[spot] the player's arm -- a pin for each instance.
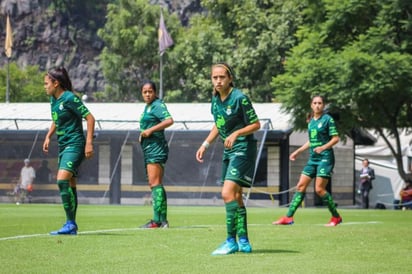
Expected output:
(333, 141)
(213, 134)
(295, 154)
(90, 121)
(49, 134)
(247, 130)
(160, 126)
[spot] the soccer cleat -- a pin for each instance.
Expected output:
(69, 228)
(284, 221)
(244, 246)
(228, 247)
(334, 221)
(151, 224)
(164, 224)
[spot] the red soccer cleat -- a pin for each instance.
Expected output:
(334, 221)
(284, 221)
(153, 224)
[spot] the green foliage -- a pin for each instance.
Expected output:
(26, 85)
(252, 36)
(193, 56)
(131, 53)
(358, 54)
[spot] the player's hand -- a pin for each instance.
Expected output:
(230, 140)
(294, 155)
(200, 153)
(46, 145)
(88, 151)
(145, 133)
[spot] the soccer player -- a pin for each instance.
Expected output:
(68, 112)
(322, 137)
(153, 122)
(235, 122)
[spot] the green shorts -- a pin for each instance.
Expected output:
(155, 152)
(70, 159)
(320, 168)
(240, 168)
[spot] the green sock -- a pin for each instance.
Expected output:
(327, 198)
(76, 202)
(231, 210)
(296, 201)
(67, 196)
(241, 225)
(159, 204)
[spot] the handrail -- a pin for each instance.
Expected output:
(99, 122)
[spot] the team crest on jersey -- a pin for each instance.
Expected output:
(319, 125)
(149, 109)
(228, 110)
(61, 107)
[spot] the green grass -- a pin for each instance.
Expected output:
(369, 241)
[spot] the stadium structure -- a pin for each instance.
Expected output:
(116, 175)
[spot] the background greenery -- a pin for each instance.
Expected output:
(356, 53)
(368, 241)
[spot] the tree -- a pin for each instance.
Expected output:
(195, 50)
(358, 54)
(252, 36)
(131, 51)
(26, 85)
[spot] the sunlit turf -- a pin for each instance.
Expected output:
(109, 241)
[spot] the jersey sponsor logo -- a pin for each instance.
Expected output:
(313, 133)
(245, 102)
(55, 116)
(220, 121)
(82, 108)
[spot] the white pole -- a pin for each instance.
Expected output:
(8, 81)
(161, 77)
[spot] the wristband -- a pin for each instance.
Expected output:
(206, 144)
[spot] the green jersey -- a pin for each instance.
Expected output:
(67, 113)
(321, 132)
(153, 114)
(234, 113)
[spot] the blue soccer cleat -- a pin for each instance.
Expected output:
(244, 245)
(69, 228)
(228, 247)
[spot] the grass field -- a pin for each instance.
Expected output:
(368, 241)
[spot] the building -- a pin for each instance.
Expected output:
(116, 174)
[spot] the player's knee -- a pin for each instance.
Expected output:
(320, 191)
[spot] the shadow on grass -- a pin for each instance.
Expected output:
(268, 251)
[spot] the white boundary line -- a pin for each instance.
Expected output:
(17, 237)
